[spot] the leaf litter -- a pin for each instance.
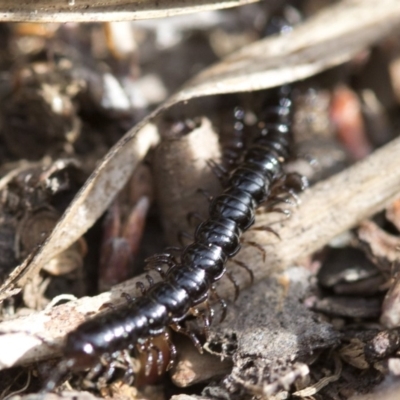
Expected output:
(317, 351)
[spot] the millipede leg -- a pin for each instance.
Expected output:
(158, 268)
(55, 377)
(205, 317)
(87, 384)
(257, 246)
(108, 373)
(172, 351)
(289, 185)
(141, 287)
(182, 235)
(129, 299)
(205, 193)
(206, 324)
(173, 249)
(247, 268)
(221, 301)
(129, 374)
(194, 215)
(266, 228)
(164, 258)
(108, 305)
(149, 361)
(235, 284)
(291, 193)
(150, 280)
(178, 328)
(287, 213)
(160, 358)
(94, 371)
(286, 197)
(297, 182)
(219, 171)
(157, 265)
(210, 311)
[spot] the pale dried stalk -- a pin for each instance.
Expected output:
(180, 169)
(109, 10)
(327, 209)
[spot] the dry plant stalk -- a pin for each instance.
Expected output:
(109, 10)
(180, 169)
(327, 209)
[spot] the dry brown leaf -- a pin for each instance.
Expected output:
(319, 43)
(108, 10)
(329, 38)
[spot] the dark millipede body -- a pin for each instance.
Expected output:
(190, 281)
(232, 148)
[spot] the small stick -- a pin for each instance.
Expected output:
(180, 170)
(327, 209)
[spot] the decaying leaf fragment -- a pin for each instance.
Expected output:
(32, 198)
(384, 249)
(85, 210)
(382, 246)
(269, 333)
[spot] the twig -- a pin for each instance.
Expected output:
(313, 389)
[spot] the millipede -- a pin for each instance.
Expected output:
(191, 280)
